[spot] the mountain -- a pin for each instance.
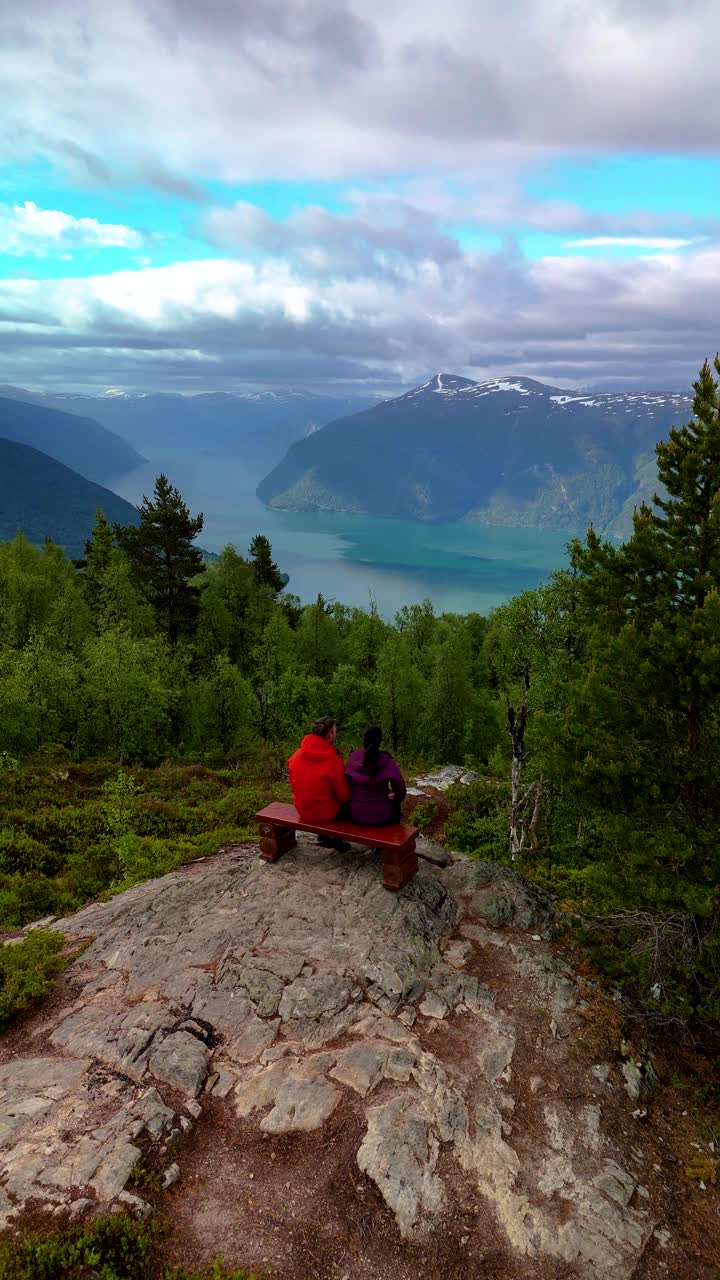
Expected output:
(45, 499)
(79, 442)
(511, 451)
(257, 427)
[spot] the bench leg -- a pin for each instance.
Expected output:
(399, 866)
(275, 841)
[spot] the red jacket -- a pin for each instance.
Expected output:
(317, 778)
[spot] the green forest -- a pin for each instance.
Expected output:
(149, 700)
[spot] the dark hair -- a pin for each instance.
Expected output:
(323, 726)
(372, 738)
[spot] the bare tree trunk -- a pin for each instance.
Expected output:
(517, 724)
(532, 829)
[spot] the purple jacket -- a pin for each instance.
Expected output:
(370, 799)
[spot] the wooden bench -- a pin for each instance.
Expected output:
(279, 822)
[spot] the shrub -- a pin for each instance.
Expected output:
(28, 897)
(20, 853)
(26, 971)
(424, 814)
(144, 857)
(154, 817)
(64, 830)
(478, 821)
(113, 1248)
(240, 805)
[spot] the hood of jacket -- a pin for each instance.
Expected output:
(313, 747)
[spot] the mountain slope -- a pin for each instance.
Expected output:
(256, 427)
(509, 451)
(79, 442)
(45, 499)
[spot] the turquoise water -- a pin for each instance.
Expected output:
(460, 566)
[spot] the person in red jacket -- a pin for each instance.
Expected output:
(317, 777)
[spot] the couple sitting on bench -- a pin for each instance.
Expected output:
(368, 790)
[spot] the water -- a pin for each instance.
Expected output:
(461, 567)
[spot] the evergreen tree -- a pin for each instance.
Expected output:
(450, 701)
(640, 744)
(163, 559)
(365, 637)
(401, 689)
(266, 571)
(98, 555)
(318, 637)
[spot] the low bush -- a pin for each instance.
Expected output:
(29, 897)
(424, 814)
(101, 829)
(27, 970)
(21, 853)
(113, 1248)
(478, 820)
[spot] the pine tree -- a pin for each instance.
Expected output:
(98, 555)
(266, 571)
(318, 637)
(450, 700)
(640, 742)
(163, 559)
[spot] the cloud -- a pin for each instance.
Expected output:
(662, 243)
(377, 237)
(348, 88)
(26, 229)
(647, 321)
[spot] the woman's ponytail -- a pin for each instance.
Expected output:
(372, 738)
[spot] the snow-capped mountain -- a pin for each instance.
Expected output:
(510, 451)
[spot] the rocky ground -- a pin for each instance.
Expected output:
(304, 1072)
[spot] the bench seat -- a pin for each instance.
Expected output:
(279, 822)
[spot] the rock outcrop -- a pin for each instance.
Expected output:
(292, 993)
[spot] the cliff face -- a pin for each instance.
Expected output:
(335, 1080)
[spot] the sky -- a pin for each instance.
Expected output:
(350, 196)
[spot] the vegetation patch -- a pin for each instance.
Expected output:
(112, 1248)
(27, 971)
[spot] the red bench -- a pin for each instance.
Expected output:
(279, 822)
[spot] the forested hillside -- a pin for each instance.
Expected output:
(77, 442)
(590, 708)
(511, 451)
(44, 499)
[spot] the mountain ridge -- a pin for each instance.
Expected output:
(506, 451)
(43, 498)
(254, 426)
(77, 441)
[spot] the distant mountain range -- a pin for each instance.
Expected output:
(255, 427)
(79, 442)
(45, 499)
(510, 451)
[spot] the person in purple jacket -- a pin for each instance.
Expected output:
(377, 787)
